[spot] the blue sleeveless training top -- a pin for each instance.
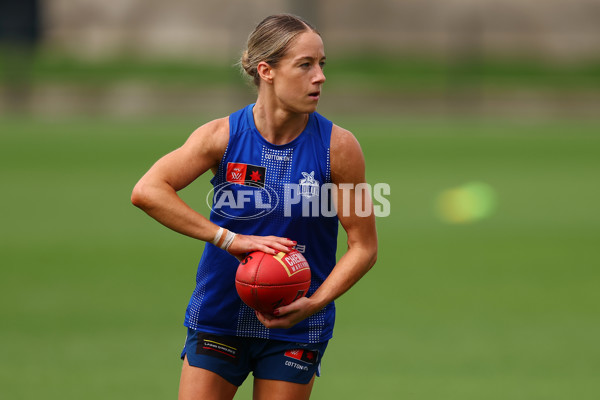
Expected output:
(265, 189)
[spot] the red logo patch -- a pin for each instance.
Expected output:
(307, 356)
(246, 174)
(236, 172)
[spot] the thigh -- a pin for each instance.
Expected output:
(201, 384)
(266, 389)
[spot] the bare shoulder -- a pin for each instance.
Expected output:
(347, 160)
(203, 150)
(210, 140)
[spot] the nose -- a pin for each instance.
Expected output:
(319, 75)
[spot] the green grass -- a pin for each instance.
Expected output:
(93, 292)
(376, 71)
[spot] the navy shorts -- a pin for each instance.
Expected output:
(234, 357)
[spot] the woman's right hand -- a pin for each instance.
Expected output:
(244, 244)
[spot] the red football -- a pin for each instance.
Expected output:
(265, 282)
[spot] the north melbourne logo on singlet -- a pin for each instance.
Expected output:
(309, 186)
(246, 174)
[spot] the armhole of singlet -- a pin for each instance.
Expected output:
(326, 139)
(219, 177)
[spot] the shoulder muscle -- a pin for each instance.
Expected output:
(347, 160)
(202, 151)
(210, 140)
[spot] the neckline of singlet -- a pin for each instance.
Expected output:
(300, 137)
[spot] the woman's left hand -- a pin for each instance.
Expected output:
(285, 317)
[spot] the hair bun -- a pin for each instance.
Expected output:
(245, 62)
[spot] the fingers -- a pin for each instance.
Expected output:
(270, 321)
(268, 244)
(286, 316)
(273, 244)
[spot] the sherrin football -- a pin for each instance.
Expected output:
(265, 282)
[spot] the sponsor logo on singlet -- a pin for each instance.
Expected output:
(246, 174)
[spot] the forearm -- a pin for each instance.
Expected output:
(357, 261)
(351, 267)
(161, 202)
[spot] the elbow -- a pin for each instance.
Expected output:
(367, 253)
(373, 257)
(139, 196)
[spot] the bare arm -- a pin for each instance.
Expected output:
(347, 168)
(156, 191)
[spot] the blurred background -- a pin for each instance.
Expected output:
(483, 117)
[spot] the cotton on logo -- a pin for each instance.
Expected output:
(242, 201)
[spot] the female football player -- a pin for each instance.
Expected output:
(278, 169)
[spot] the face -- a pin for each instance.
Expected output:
(298, 77)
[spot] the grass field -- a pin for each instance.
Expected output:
(93, 292)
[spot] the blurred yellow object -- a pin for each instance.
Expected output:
(470, 202)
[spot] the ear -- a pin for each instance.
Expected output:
(265, 71)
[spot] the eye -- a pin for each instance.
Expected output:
(305, 65)
(322, 64)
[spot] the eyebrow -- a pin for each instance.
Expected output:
(309, 58)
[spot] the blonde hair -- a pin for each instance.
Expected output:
(270, 41)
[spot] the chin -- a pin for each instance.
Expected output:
(302, 107)
(309, 108)
(312, 109)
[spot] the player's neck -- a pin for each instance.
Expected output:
(277, 125)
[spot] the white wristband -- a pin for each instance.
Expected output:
(228, 240)
(215, 241)
(223, 238)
